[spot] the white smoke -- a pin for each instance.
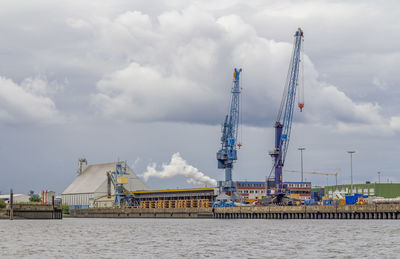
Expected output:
(178, 166)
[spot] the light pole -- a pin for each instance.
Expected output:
(301, 155)
(379, 177)
(351, 169)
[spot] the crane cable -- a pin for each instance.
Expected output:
(241, 112)
(301, 92)
(285, 90)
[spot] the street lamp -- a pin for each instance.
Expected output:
(351, 169)
(301, 154)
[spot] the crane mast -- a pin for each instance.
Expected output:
(227, 155)
(284, 119)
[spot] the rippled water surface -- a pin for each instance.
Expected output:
(199, 238)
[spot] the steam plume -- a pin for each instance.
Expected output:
(178, 166)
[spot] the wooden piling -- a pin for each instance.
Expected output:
(11, 205)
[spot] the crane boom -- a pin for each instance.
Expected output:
(337, 171)
(283, 124)
(227, 155)
(313, 172)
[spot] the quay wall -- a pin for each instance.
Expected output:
(375, 211)
(32, 211)
(4, 214)
(142, 213)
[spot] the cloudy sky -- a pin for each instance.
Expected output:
(142, 80)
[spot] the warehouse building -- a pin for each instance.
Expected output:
(386, 190)
(91, 184)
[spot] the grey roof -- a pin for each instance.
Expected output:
(90, 179)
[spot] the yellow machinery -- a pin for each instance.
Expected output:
(361, 201)
(122, 180)
(175, 204)
(175, 198)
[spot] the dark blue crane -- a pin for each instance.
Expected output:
(284, 120)
(227, 155)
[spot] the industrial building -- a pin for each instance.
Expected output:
(300, 189)
(251, 190)
(91, 184)
(47, 196)
(386, 190)
(17, 198)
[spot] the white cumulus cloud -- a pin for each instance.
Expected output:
(179, 167)
(190, 79)
(27, 102)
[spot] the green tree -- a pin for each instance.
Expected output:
(65, 209)
(35, 198)
(2, 204)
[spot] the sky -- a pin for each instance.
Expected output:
(140, 81)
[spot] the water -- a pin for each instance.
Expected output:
(199, 238)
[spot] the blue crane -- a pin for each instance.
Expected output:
(283, 122)
(118, 178)
(227, 155)
(119, 188)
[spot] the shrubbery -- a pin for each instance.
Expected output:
(35, 198)
(65, 209)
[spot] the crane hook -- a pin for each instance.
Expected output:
(301, 106)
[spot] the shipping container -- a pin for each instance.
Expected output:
(326, 202)
(350, 200)
(309, 202)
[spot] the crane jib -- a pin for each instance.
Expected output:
(291, 94)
